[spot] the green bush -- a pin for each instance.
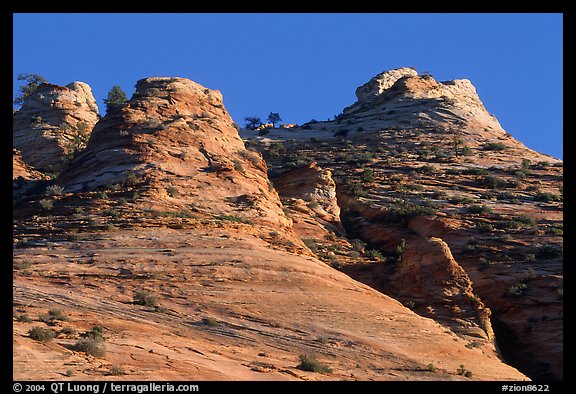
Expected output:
(550, 251)
(238, 166)
(54, 190)
(46, 204)
(234, 218)
(546, 197)
(374, 254)
(310, 363)
(475, 171)
(494, 146)
(209, 321)
(145, 298)
(311, 244)
(53, 315)
(92, 346)
(110, 212)
(493, 182)
(42, 334)
(460, 200)
(95, 333)
(485, 227)
(368, 175)
(479, 209)
(426, 169)
(518, 290)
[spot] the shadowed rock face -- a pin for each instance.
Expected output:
(45, 127)
(428, 276)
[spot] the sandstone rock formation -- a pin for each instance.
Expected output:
(437, 286)
(382, 81)
(175, 138)
(165, 202)
(314, 186)
(441, 166)
(53, 122)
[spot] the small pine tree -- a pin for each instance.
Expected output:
(32, 83)
(252, 122)
(115, 99)
(274, 117)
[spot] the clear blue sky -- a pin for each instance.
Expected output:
(306, 66)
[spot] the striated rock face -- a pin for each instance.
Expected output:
(441, 166)
(51, 120)
(309, 194)
(21, 170)
(312, 184)
(430, 278)
(175, 138)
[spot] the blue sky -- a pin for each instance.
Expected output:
(306, 66)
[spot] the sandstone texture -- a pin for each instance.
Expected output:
(202, 254)
(176, 140)
(53, 122)
(415, 159)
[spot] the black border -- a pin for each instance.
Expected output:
(169, 6)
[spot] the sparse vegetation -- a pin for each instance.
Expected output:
(52, 316)
(46, 204)
(374, 254)
(463, 371)
(403, 209)
(426, 169)
(54, 190)
(92, 346)
(479, 209)
(547, 197)
(41, 334)
(431, 367)
(110, 212)
(485, 227)
(311, 244)
(460, 200)
(239, 167)
(24, 318)
(494, 146)
(309, 362)
(172, 191)
(368, 175)
(68, 331)
(116, 370)
(96, 333)
(493, 182)
(28, 89)
(518, 290)
(234, 218)
(145, 298)
(210, 321)
(550, 251)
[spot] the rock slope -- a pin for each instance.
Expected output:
(167, 237)
(414, 158)
(53, 122)
(175, 139)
